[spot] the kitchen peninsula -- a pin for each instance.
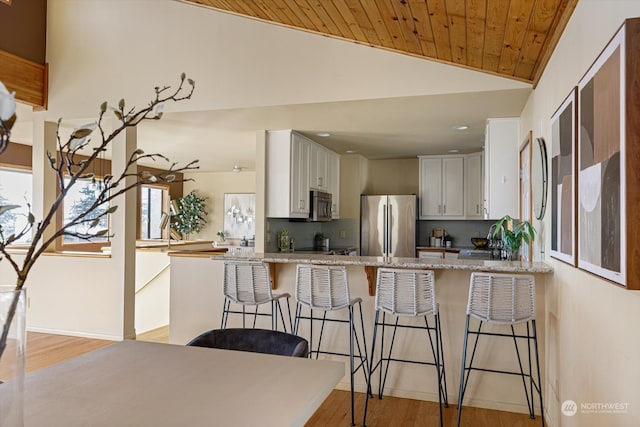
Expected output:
(370, 263)
(197, 300)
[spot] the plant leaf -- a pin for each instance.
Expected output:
(6, 208)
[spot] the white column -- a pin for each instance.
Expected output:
(44, 177)
(123, 226)
(261, 173)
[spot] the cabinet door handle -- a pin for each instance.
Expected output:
(444, 209)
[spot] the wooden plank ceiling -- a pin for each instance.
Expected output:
(511, 38)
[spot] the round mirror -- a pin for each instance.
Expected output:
(539, 172)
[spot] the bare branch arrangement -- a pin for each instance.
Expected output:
(72, 167)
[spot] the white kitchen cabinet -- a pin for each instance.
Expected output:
(441, 187)
(501, 153)
(287, 175)
(473, 186)
(318, 168)
(333, 182)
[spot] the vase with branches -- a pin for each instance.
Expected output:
(73, 163)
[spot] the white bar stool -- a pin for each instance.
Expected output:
(405, 293)
(248, 283)
(326, 289)
(503, 299)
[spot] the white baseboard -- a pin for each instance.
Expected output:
(75, 334)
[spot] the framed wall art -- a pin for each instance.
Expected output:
(525, 209)
(563, 180)
(239, 215)
(601, 167)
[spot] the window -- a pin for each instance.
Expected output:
(152, 203)
(79, 198)
(15, 189)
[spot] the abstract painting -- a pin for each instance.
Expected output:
(601, 145)
(239, 215)
(563, 180)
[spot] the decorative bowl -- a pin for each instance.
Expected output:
(479, 242)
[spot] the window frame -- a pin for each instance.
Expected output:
(166, 198)
(25, 169)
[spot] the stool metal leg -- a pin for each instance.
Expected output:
(363, 359)
(535, 344)
(522, 375)
(437, 359)
(225, 313)
(462, 369)
(351, 373)
(445, 393)
(371, 369)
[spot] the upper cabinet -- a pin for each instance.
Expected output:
(474, 186)
(333, 184)
(318, 167)
(296, 165)
(287, 175)
(501, 168)
(441, 187)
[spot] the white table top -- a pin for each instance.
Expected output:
(133, 383)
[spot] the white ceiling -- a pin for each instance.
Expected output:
(377, 129)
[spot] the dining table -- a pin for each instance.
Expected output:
(134, 383)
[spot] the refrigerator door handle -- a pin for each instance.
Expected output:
(385, 229)
(389, 228)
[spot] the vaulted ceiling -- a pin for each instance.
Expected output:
(511, 38)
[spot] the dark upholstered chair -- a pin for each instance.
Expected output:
(253, 340)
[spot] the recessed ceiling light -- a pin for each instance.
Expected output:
(461, 127)
(454, 150)
(323, 134)
(350, 151)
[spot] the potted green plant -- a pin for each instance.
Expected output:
(191, 216)
(513, 235)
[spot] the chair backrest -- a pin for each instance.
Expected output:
(247, 282)
(502, 298)
(253, 340)
(322, 287)
(405, 292)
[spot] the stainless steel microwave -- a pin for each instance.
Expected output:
(321, 204)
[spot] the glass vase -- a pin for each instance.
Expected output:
(511, 253)
(12, 357)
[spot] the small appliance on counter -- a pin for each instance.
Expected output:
(439, 238)
(320, 242)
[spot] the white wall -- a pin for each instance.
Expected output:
(213, 186)
(592, 325)
(72, 295)
(100, 49)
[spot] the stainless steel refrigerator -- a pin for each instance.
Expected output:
(388, 226)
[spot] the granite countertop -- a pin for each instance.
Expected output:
(368, 261)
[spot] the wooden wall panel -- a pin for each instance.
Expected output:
(512, 38)
(26, 78)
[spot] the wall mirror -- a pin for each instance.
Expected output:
(539, 173)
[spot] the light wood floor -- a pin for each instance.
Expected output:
(45, 350)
